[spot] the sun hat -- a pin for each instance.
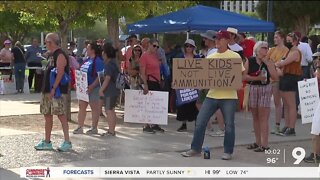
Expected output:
(232, 30)
(190, 41)
(210, 34)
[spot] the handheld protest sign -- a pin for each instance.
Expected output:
(207, 73)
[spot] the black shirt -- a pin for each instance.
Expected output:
(52, 58)
(18, 54)
(254, 67)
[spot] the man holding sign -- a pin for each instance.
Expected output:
(224, 99)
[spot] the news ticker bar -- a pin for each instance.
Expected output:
(170, 172)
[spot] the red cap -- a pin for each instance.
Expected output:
(223, 34)
(298, 34)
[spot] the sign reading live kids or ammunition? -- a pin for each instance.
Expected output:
(206, 73)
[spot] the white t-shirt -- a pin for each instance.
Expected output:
(235, 47)
(306, 53)
(211, 51)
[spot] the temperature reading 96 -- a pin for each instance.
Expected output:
(298, 153)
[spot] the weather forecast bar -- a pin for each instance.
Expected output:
(170, 172)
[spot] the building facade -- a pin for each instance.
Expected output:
(239, 6)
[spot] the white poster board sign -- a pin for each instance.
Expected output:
(8, 86)
(82, 86)
(147, 109)
(309, 98)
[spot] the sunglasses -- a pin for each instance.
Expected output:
(264, 48)
(188, 46)
(156, 46)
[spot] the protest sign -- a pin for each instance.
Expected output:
(185, 96)
(8, 85)
(206, 73)
(82, 86)
(309, 98)
(147, 109)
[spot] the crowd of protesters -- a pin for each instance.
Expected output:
(266, 72)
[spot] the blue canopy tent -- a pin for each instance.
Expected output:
(199, 18)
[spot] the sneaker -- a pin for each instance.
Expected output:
(148, 129)
(226, 156)
(276, 130)
(92, 131)
(157, 128)
(106, 134)
(288, 132)
(65, 146)
(218, 133)
(182, 128)
(311, 159)
(79, 130)
(190, 153)
(42, 145)
(282, 130)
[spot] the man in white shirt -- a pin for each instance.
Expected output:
(233, 45)
(306, 57)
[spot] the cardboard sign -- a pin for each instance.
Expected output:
(309, 98)
(82, 86)
(8, 86)
(206, 73)
(185, 96)
(151, 108)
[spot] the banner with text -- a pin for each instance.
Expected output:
(185, 96)
(206, 73)
(82, 86)
(151, 108)
(309, 98)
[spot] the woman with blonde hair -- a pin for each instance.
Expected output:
(258, 72)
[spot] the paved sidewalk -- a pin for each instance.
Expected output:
(131, 147)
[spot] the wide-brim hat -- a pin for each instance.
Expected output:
(210, 34)
(190, 41)
(232, 30)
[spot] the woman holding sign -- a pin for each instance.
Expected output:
(258, 72)
(186, 98)
(288, 85)
(92, 66)
(149, 66)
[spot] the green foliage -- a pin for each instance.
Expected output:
(210, 3)
(98, 30)
(292, 15)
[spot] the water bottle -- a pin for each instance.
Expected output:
(264, 74)
(206, 153)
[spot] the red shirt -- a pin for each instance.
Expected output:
(151, 64)
(247, 46)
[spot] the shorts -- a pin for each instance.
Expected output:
(110, 102)
(94, 95)
(260, 96)
(53, 106)
(289, 82)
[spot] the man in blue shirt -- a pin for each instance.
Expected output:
(33, 61)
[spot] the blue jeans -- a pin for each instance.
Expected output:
(208, 108)
(19, 74)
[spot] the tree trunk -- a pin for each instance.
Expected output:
(63, 28)
(113, 27)
(302, 24)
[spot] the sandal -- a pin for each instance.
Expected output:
(253, 146)
(261, 149)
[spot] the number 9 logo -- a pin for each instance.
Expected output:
(298, 153)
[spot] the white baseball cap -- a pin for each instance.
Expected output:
(190, 41)
(232, 30)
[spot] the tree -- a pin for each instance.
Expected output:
(292, 15)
